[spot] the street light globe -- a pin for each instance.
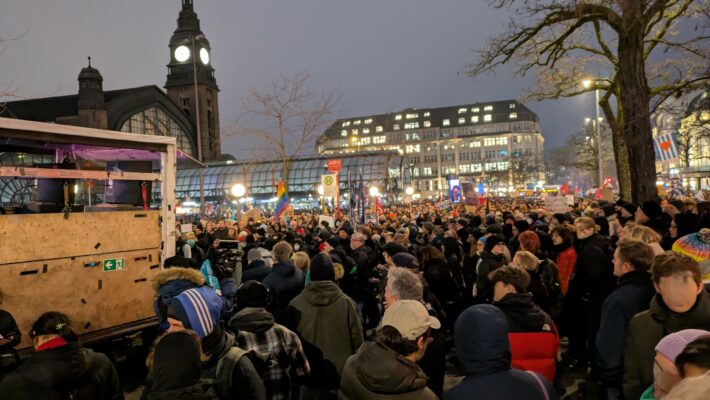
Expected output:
(374, 191)
(587, 83)
(409, 190)
(239, 190)
(321, 190)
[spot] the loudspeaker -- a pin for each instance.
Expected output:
(52, 190)
(128, 192)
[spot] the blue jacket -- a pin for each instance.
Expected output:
(285, 282)
(633, 295)
(481, 337)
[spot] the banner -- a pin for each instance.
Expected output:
(330, 185)
(666, 147)
(556, 204)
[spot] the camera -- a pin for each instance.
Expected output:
(226, 258)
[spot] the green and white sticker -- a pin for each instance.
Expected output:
(113, 264)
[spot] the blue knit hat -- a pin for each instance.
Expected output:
(198, 309)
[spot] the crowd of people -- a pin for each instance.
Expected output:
(506, 297)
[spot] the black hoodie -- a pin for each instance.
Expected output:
(57, 372)
(522, 314)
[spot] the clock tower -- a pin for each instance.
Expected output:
(191, 83)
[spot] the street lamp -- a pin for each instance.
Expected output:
(239, 190)
(374, 191)
(356, 141)
(199, 129)
(409, 190)
(587, 83)
(321, 190)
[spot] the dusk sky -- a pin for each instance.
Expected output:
(382, 55)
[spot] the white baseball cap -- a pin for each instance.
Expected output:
(410, 318)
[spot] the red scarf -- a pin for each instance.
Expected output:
(56, 342)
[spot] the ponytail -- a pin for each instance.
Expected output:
(54, 323)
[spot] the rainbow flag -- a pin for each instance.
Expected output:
(282, 203)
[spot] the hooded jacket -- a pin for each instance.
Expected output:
(57, 372)
(531, 332)
(328, 324)
(632, 295)
(647, 329)
(378, 372)
(285, 282)
(481, 338)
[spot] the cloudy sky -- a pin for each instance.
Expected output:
(382, 55)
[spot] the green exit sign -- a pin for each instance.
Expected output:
(113, 264)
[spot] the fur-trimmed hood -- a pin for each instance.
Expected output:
(175, 273)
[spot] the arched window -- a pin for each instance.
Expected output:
(155, 121)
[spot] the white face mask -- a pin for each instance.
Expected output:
(296, 247)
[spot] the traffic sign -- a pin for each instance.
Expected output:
(113, 264)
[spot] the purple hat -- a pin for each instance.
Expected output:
(671, 345)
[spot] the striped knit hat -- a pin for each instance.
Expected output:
(696, 245)
(198, 309)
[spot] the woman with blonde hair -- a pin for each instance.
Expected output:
(592, 281)
(648, 236)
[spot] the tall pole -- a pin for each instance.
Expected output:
(199, 129)
(599, 138)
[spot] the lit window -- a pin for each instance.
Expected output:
(378, 140)
(398, 117)
(511, 105)
(427, 124)
(346, 123)
(475, 109)
(357, 122)
(463, 110)
(411, 125)
(344, 132)
(426, 114)
(426, 171)
(395, 127)
(412, 136)
(474, 118)
(378, 129)
(487, 118)
(365, 140)
(513, 115)
(476, 143)
(446, 122)
(355, 131)
(368, 121)
(412, 148)
(462, 121)
(412, 116)
(366, 130)
(488, 108)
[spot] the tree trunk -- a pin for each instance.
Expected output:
(623, 172)
(635, 96)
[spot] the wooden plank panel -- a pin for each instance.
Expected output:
(29, 237)
(93, 299)
(28, 172)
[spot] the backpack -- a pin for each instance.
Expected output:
(222, 382)
(550, 277)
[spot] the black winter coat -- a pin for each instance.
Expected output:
(58, 372)
(633, 295)
(489, 263)
(593, 277)
(256, 270)
(284, 282)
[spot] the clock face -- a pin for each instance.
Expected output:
(182, 53)
(204, 56)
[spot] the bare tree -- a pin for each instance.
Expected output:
(580, 152)
(647, 50)
(287, 118)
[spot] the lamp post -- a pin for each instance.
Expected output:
(197, 122)
(597, 129)
(239, 191)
